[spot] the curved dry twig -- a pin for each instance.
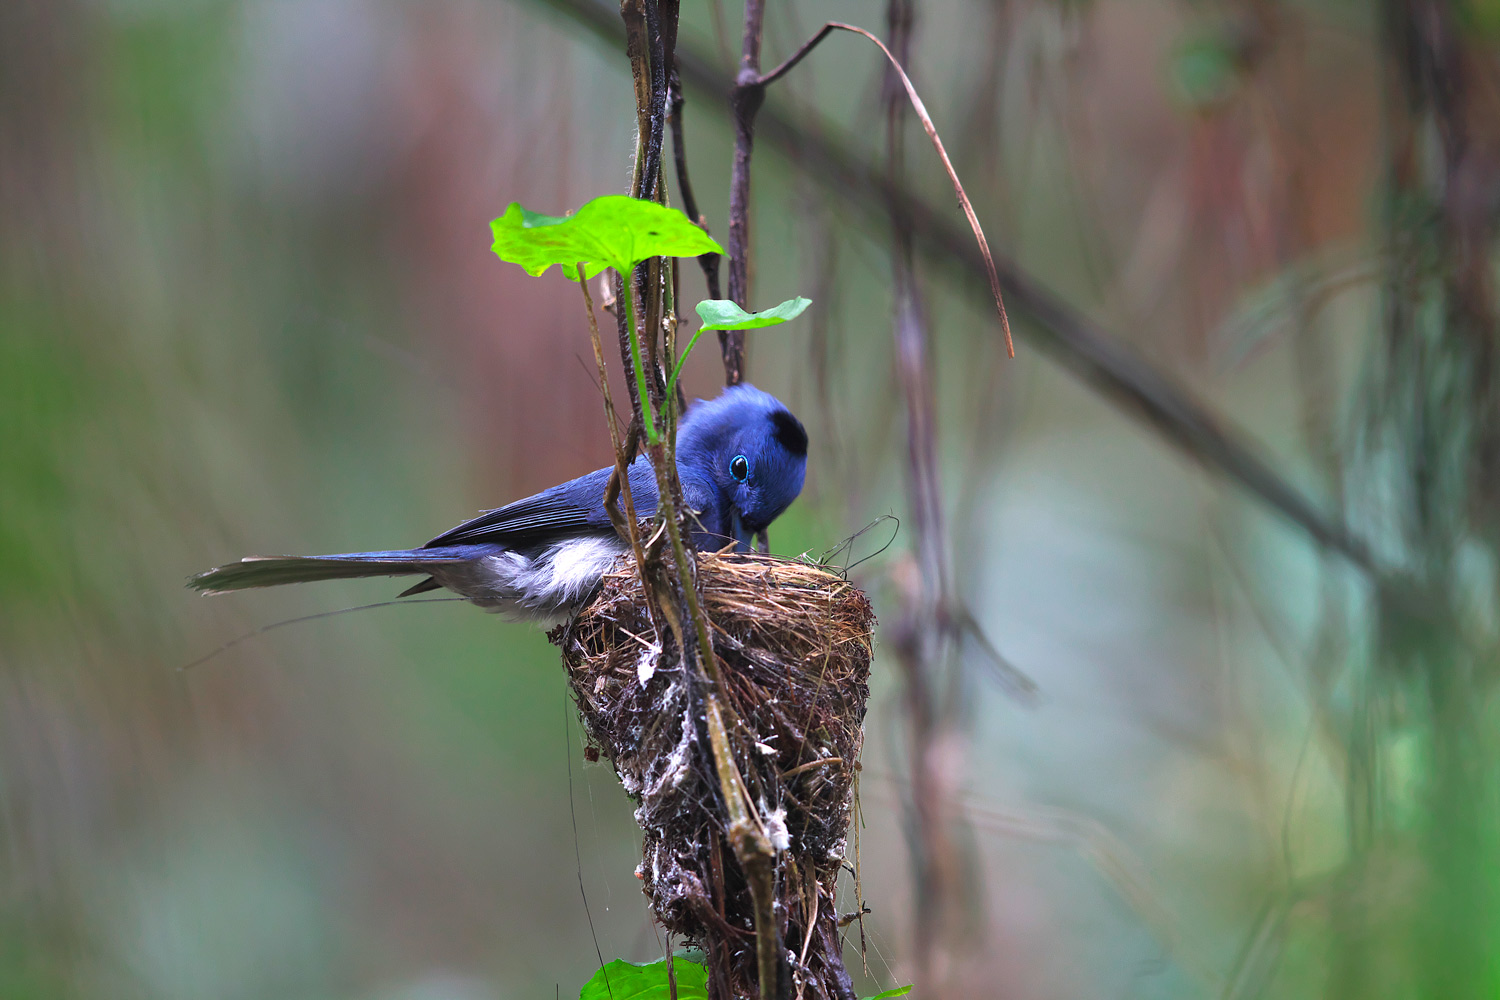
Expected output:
(937, 144)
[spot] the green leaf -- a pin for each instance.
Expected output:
(610, 231)
(722, 314)
(899, 991)
(622, 980)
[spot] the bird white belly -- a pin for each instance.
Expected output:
(540, 587)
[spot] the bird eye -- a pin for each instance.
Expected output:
(739, 468)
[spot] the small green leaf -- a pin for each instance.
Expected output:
(1204, 71)
(899, 991)
(622, 980)
(610, 231)
(722, 314)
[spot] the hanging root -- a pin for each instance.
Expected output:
(794, 645)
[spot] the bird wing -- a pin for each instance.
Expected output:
(572, 508)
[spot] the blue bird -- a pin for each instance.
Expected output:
(741, 458)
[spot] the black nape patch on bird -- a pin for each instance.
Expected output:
(790, 433)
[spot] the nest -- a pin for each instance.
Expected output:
(794, 646)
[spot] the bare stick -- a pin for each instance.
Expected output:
(638, 49)
(656, 110)
(709, 262)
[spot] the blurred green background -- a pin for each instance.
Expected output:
(247, 305)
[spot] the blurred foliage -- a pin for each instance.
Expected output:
(1204, 71)
(247, 305)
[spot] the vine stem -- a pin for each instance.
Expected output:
(677, 369)
(745, 831)
(625, 525)
(648, 416)
(746, 834)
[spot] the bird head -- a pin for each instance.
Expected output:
(752, 453)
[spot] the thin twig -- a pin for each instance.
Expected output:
(709, 262)
(744, 103)
(821, 762)
(625, 525)
(1104, 362)
(263, 629)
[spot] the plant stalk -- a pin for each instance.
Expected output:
(648, 415)
(625, 524)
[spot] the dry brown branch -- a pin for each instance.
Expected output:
(709, 262)
(744, 102)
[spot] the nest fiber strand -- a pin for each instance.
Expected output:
(794, 647)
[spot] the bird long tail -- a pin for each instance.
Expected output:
(273, 571)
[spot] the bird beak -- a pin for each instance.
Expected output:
(741, 533)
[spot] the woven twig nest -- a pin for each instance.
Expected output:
(794, 646)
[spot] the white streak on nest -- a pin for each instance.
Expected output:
(645, 666)
(776, 829)
(676, 766)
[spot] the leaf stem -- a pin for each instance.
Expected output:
(676, 371)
